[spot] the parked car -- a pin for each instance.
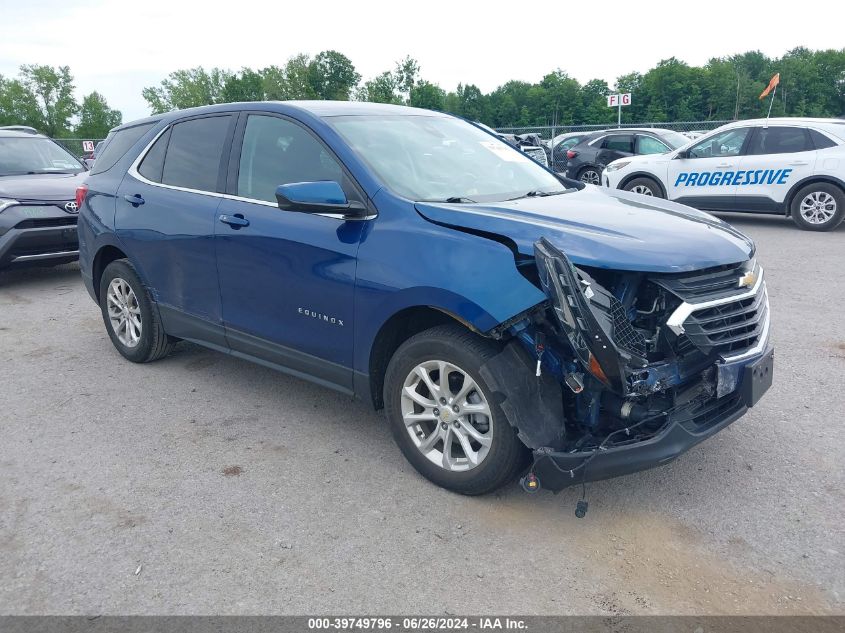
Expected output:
(562, 143)
(529, 144)
(587, 159)
(788, 166)
(38, 210)
(89, 157)
(508, 320)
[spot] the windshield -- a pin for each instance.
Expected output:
(35, 156)
(443, 159)
(674, 139)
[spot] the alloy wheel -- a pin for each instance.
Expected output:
(590, 176)
(818, 207)
(124, 312)
(643, 190)
(447, 415)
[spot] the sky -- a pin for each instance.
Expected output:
(118, 48)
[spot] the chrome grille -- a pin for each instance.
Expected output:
(732, 325)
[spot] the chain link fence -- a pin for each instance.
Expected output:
(548, 132)
(74, 145)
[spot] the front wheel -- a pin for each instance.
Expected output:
(645, 187)
(442, 414)
(819, 206)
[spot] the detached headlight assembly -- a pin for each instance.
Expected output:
(619, 164)
(5, 203)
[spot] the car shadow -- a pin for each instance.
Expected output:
(752, 220)
(12, 277)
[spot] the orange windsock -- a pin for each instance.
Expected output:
(774, 82)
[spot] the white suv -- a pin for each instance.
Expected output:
(787, 165)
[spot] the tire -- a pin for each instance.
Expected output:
(142, 338)
(644, 186)
(589, 174)
(500, 461)
(820, 206)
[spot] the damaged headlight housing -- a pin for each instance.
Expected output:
(593, 320)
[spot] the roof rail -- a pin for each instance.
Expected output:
(20, 128)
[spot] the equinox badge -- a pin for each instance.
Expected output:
(322, 317)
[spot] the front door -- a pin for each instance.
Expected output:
(287, 278)
(706, 177)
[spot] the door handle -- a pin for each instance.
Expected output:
(724, 165)
(136, 200)
(800, 162)
(235, 221)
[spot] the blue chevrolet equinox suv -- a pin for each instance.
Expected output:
(509, 321)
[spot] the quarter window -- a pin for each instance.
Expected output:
(278, 152)
(117, 144)
(779, 140)
(727, 143)
(820, 141)
(650, 145)
(194, 153)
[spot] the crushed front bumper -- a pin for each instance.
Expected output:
(682, 430)
(37, 233)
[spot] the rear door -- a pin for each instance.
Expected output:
(648, 144)
(777, 157)
(706, 178)
(614, 146)
(165, 216)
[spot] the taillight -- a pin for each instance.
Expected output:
(570, 154)
(81, 192)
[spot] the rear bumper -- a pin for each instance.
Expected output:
(47, 239)
(682, 431)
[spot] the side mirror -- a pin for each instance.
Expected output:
(323, 196)
(682, 154)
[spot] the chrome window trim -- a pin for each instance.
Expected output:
(133, 171)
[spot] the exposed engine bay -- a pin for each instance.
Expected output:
(614, 357)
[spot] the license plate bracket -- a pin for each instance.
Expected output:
(757, 377)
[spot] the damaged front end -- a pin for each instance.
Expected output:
(621, 371)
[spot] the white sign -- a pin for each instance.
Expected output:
(614, 101)
(87, 146)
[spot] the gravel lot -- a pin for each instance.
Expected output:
(206, 484)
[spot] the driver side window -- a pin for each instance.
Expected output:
(278, 152)
(728, 143)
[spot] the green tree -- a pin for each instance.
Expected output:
(187, 89)
(96, 118)
(18, 105)
(405, 75)
(53, 92)
(427, 95)
(333, 76)
(380, 89)
(247, 85)
(298, 78)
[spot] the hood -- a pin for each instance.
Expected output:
(46, 187)
(605, 228)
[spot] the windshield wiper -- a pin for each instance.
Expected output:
(535, 193)
(451, 200)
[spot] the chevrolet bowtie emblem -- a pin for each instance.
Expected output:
(748, 279)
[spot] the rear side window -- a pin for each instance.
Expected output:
(193, 155)
(153, 163)
(820, 141)
(619, 143)
(779, 140)
(117, 144)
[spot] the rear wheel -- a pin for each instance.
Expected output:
(590, 175)
(442, 415)
(644, 186)
(130, 315)
(819, 206)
